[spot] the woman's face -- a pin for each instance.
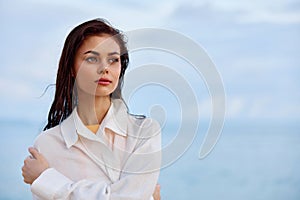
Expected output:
(97, 66)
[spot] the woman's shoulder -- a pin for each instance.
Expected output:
(144, 121)
(46, 137)
(146, 126)
(136, 121)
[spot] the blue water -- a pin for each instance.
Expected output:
(251, 161)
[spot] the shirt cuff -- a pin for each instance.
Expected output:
(48, 184)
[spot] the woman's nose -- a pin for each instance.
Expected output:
(103, 68)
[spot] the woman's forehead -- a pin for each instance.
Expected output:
(103, 43)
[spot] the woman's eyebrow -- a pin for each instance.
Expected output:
(93, 52)
(98, 54)
(113, 53)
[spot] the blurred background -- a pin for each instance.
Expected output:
(255, 46)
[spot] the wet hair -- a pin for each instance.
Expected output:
(65, 94)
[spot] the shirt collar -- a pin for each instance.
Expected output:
(116, 119)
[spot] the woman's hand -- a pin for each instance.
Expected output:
(34, 165)
(156, 194)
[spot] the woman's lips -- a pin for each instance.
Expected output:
(103, 81)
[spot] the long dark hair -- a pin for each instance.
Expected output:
(65, 98)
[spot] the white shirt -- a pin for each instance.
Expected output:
(84, 165)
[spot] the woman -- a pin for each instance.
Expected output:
(92, 148)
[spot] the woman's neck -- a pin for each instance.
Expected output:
(92, 109)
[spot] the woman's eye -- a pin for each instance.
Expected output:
(113, 60)
(92, 59)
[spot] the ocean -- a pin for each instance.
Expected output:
(251, 161)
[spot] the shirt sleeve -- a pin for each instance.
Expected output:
(137, 181)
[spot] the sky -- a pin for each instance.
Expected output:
(254, 45)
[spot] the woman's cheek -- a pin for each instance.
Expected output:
(84, 81)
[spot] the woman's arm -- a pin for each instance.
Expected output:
(54, 185)
(134, 183)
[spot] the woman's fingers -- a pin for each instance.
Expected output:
(34, 153)
(156, 194)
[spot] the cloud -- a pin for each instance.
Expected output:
(278, 12)
(266, 108)
(243, 12)
(235, 107)
(258, 107)
(267, 16)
